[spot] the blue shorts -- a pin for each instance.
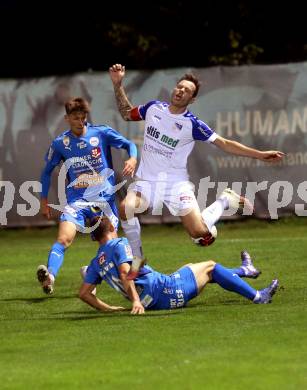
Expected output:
(176, 289)
(78, 212)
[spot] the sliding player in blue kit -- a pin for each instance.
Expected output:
(156, 291)
(85, 150)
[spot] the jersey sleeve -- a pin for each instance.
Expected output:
(142, 110)
(52, 159)
(202, 132)
(115, 139)
(123, 252)
(92, 276)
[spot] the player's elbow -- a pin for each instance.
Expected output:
(210, 268)
(223, 143)
(82, 295)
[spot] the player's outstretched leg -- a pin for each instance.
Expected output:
(45, 278)
(247, 269)
(231, 281)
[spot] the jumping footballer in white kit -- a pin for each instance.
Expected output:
(169, 137)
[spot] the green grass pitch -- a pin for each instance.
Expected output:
(220, 341)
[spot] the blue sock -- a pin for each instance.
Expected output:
(56, 257)
(232, 282)
(237, 271)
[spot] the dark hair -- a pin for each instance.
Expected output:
(194, 80)
(102, 228)
(77, 104)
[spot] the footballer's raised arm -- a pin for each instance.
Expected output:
(126, 109)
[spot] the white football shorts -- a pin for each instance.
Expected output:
(178, 197)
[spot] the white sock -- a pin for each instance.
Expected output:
(132, 231)
(136, 263)
(213, 213)
(257, 297)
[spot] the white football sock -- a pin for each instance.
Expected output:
(213, 213)
(257, 297)
(132, 231)
(136, 263)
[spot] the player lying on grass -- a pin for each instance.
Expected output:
(156, 291)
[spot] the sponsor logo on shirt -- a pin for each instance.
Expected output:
(151, 149)
(169, 141)
(101, 259)
(81, 145)
(94, 141)
(96, 152)
(155, 134)
(85, 180)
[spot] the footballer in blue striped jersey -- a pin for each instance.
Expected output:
(85, 151)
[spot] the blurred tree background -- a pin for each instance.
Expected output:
(61, 37)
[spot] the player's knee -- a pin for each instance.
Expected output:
(210, 268)
(211, 264)
(129, 206)
(198, 232)
(65, 240)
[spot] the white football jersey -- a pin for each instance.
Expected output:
(168, 141)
